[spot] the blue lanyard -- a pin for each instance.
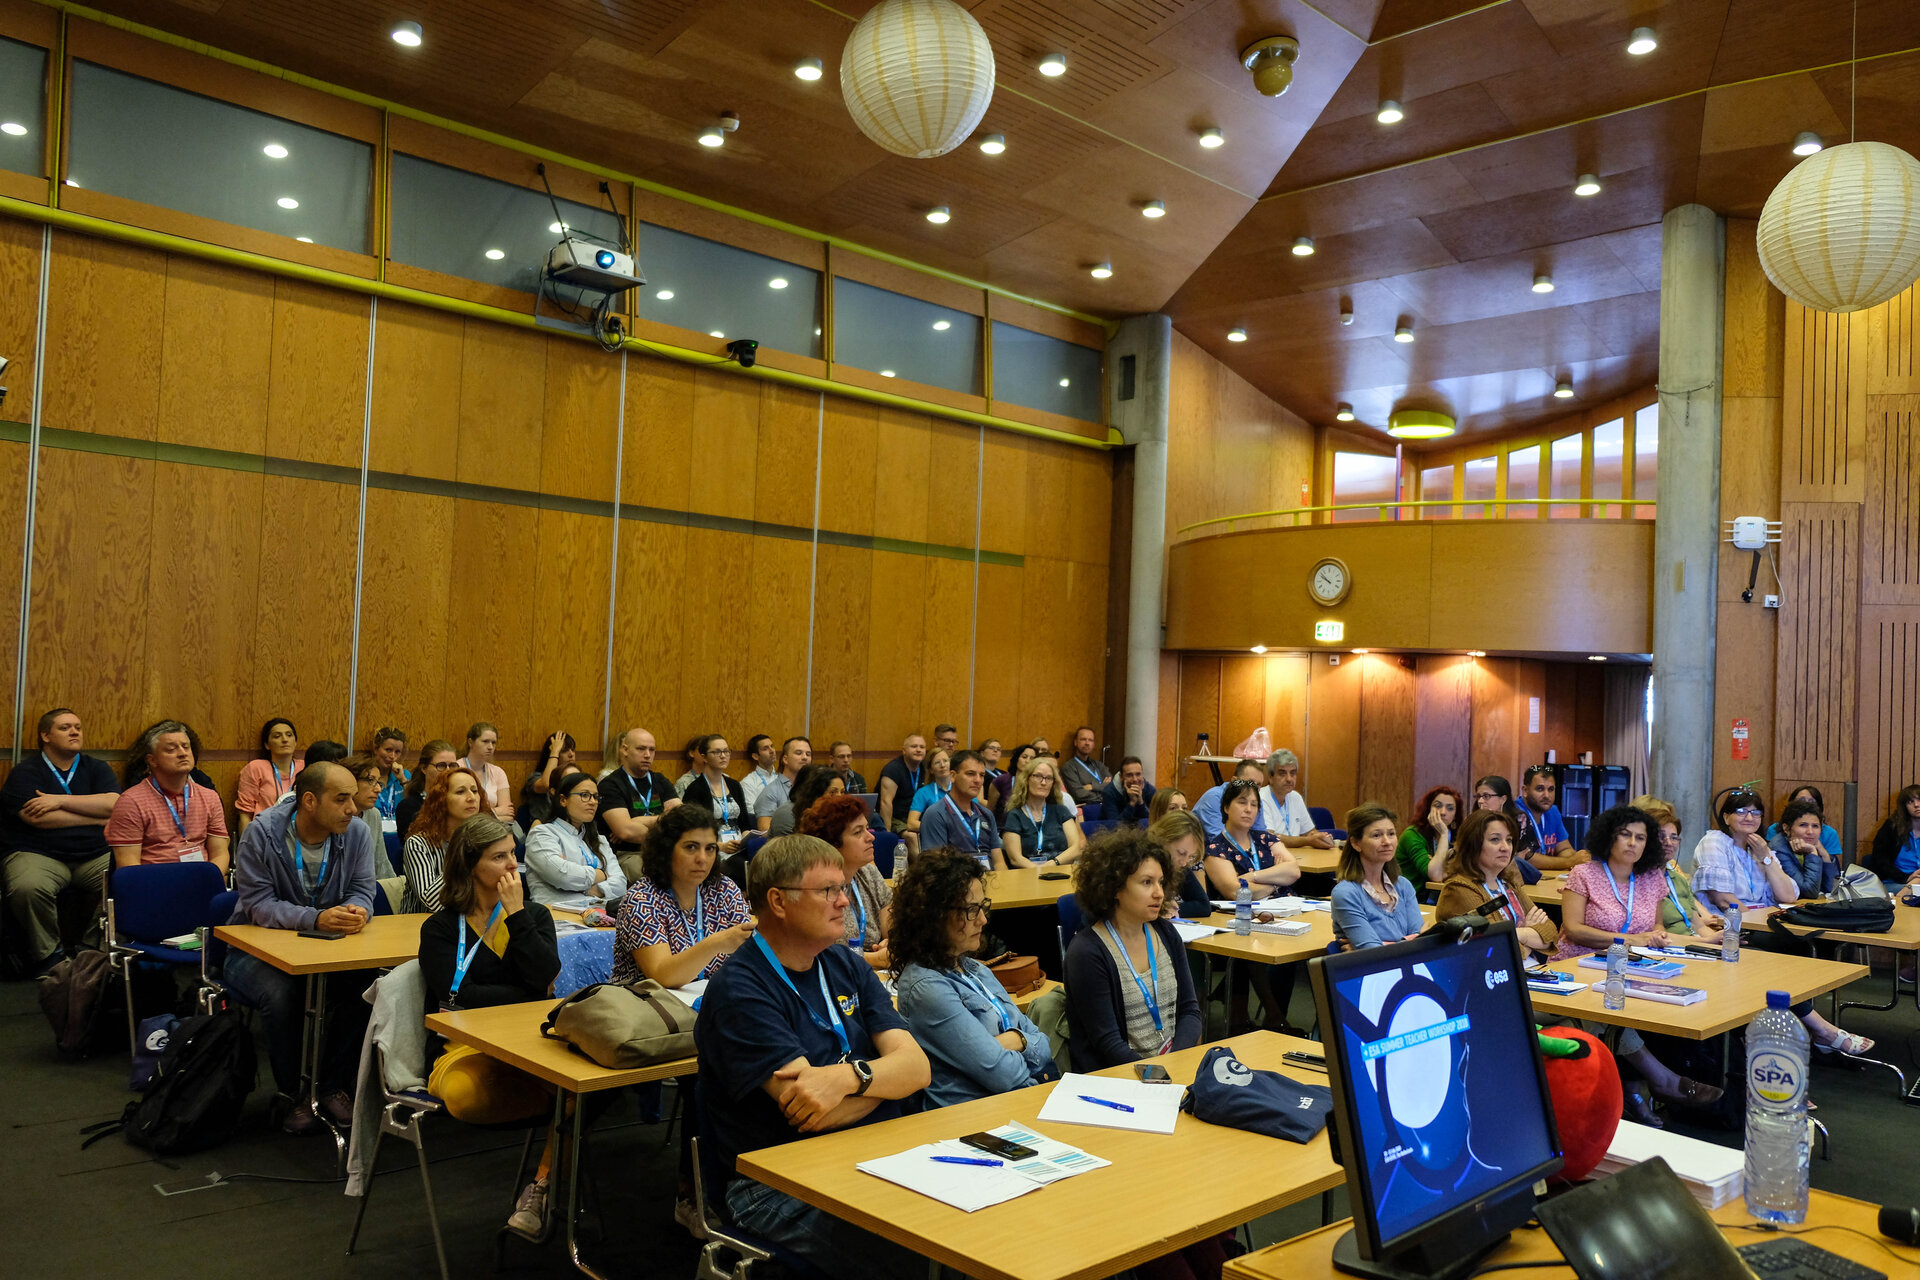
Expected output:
(860, 912)
(838, 1028)
(1633, 887)
(586, 846)
(463, 954)
(699, 916)
(179, 816)
(722, 798)
(64, 779)
(1039, 833)
(645, 800)
(389, 798)
(993, 1002)
(280, 786)
(972, 823)
(300, 861)
(1151, 996)
(1253, 859)
(1674, 893)
(913, 780)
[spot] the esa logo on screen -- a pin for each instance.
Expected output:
(1495, 977)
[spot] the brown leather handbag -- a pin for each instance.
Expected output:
(1018, 974)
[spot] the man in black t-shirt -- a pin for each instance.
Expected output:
(899, 779)
(632, 798)
(53, 839)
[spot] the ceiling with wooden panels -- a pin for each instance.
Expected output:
(1440, 222)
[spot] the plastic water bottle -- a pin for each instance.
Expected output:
(1243, 910)
(1616, 990)
(1730, 941)
(1778, 1148)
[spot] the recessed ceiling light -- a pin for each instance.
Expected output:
(408, 34)
(72, 182)
(558, 227)
(1054, 64)
(1154, 209)
(808, 69)
(1363, 651)
(1212, 137)
(1543, 283)
(1587, 186)
(14, 129)
(1390, 113)
(1563, 390)
(712, 137)
(886, 373)
(1805, 143)
(1346, 311)
(1403, 333)
(1303, 246)
(1343, 412)
(1476, 653)
(1101, 270)
(496, 254)
(1596, 657)
(1066, 382)
(287, 202)
(994, 143)
(273, 149)
(939, 214)
(304, 239)
(665, 295)
(715, 333)
(1259, 648)
(1236, 335)
(1642, 42)
(778, 282)
(941, 326)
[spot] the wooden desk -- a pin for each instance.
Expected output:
(1317, 861)
(1277, 948)
(1310, 1256)
(1735, 993)
(1162, 1191)
(1547, 893)
(1022, 887)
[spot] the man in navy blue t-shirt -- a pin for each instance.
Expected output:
(53, 840)
(797, 1036)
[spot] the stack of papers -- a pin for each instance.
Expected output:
(1638, 968)
(1191, 932)
(1108, 1102)
(1280, 906)
(1681, 953)
(1712, 1173)
(968, 1187)
(1290, 928)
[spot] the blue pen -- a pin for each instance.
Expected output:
(988, 1164)
(1102, 1102)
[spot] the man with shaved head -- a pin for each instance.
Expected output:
(632, 798)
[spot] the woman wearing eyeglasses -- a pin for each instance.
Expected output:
(684, 917)
(1735, 864)
(1040, 826)
(721, 796)
(567, 857)
(842, 822)
(978, 1042)
(436, 758)
(1680, 910)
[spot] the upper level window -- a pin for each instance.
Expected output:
(479, 228)
(1047, 373)
(728, 293)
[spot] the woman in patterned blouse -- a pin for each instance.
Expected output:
(683, 917)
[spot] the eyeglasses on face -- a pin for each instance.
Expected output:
(592, 797)
(1486, 795)
(975, 910)
(828, 893)
(1748, 811)
(441, 766)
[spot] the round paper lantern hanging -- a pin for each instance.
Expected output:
(1842, 230)
(917, 76)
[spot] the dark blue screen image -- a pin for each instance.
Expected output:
(1439, 1055)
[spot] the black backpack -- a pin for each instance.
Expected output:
(1856, 915)
(198, 1091)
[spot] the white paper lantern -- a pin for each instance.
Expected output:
(917, 76)
(1842, 230)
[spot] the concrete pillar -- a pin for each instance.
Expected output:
(1139, 371)
(1687, 528)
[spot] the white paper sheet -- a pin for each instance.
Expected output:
(966, 1187)
(1052, 1160)
(1155, 1107)
(1191, 932)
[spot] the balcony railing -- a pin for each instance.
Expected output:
(1392, 511)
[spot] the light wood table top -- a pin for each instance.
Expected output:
(386, 941)
(1023, 887)
(1904, 936)
(1276, 948)
(1310, 1256)
(1161, 1192)
(1547, 893)
(511, 1033)
(1318, 861)
(1735, 993)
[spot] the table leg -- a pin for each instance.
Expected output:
(573, 1189)
(312, 1038)
(1892, 999)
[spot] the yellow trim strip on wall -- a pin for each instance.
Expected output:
(541, 153)
(89, 225)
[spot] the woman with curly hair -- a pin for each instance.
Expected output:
(1130, 994)
(1429, 838)
(451, 798)
(977, 1041)
(842, 822)
(684, 916)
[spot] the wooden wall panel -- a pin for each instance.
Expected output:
(713, 696)
(723, 443)
(1200, 679)
(317, 377)
(1889, 711)
(416, 391)
(953, 484)
(896, 647)
(1286, 699)
(849, 461)
(1243, 699)
(1164, 768)
(489, 635)
(787, 466)
(843, 622)
(1003, 494)
(105, 323)
(946, 670)
(1893, 345)
(303, 635)
(1819, 617)
(903, 475)
(657, 462)
(1047, 697)
(775, 636)
(1890, 532)
(1496, 736)
(1443, 723)
(405, 640)
(214, 374)
(1753, 355)
(1384, 769)
(582, 422)
(567, 600)
(996, 668)
(202, 580)
(650, 627)
(1825, 406)
(13, 497)
(19, 313)
(1330, 766)
(1230, 448)
(502, 405)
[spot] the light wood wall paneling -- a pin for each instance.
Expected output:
(903, 475)
(494, 550)
(946, 670)
(1889, 711)
(1201, 677)
(1495, 738)
(302, 654)
(582, 422)
(1231, 449)
(416, 391)
(502, 406)
(1754, 350)
(203, 577)
(1330, 767)
(1050, 496)
(20, 314)
(657, 462)
(849, 462)
(317, 379)
(1893, 341)
(953, 486)
(217, 360)
(785, 468)
(406, 644)
(996, 671)
(1825, 393)
(1530, 681)
(843, 625)
(106, 309)
(13, 497)
(1819, 620)
(1890, 531)
(1003, 495)
(724, 446)
(568, 604)
(1745, 647)
(1054, 678)
(1443, 724)
(1086, 644)
(775, 634)
(714, 598)
(86, 643)
(650, 626)
(896, 645)
(1385, 764)
(1090, 479)
(1285, 712)
(1557, 710)
(1243, 699)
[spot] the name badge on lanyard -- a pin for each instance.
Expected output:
(838, 1027)
(188, 852)
(969, 819)
(463, 956)
(299, 852)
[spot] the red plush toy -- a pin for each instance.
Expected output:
(1585, 1085)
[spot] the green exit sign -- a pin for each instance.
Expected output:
(1330, 632)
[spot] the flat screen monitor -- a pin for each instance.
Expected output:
(1441, 1113)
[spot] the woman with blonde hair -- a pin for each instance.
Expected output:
(1040, 825)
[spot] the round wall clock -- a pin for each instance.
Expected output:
(1329, 581)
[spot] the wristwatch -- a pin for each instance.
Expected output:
(863, 1071)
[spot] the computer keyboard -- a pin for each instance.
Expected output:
(1798, 1260)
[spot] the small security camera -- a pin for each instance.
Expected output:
(745, 350)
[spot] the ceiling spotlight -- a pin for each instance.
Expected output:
(557, 227)
(1343, 412)
(1587, 186)
(1054, 64)
(665, 295)
(1543, 283)
(1303, 246)
(1363, 652)
(1211, 137)
(808, 69)
(273, 149)
(941, 326)
(304, 239)
(1642, 42)
(408, 34)
(1154, 209)
(13, 128)
(1346, 311)
(715, 333)
(1259, 648)
(1403, 333)
(938, 214)
(1101, 270)
(1805, 143)
(71, 182)
(711, 136)
(1271, 62)
(886, 373)
(994, 143)
(778, 282)
(494, 255)
(1596, 657)
(1236, 335)
(287, 202)
(1066, 382)
(1563, 390)
(1390, 113)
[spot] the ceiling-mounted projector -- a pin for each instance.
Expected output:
(590, 266)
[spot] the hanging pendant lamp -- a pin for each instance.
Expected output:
(1842, 230)
(917, 76)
